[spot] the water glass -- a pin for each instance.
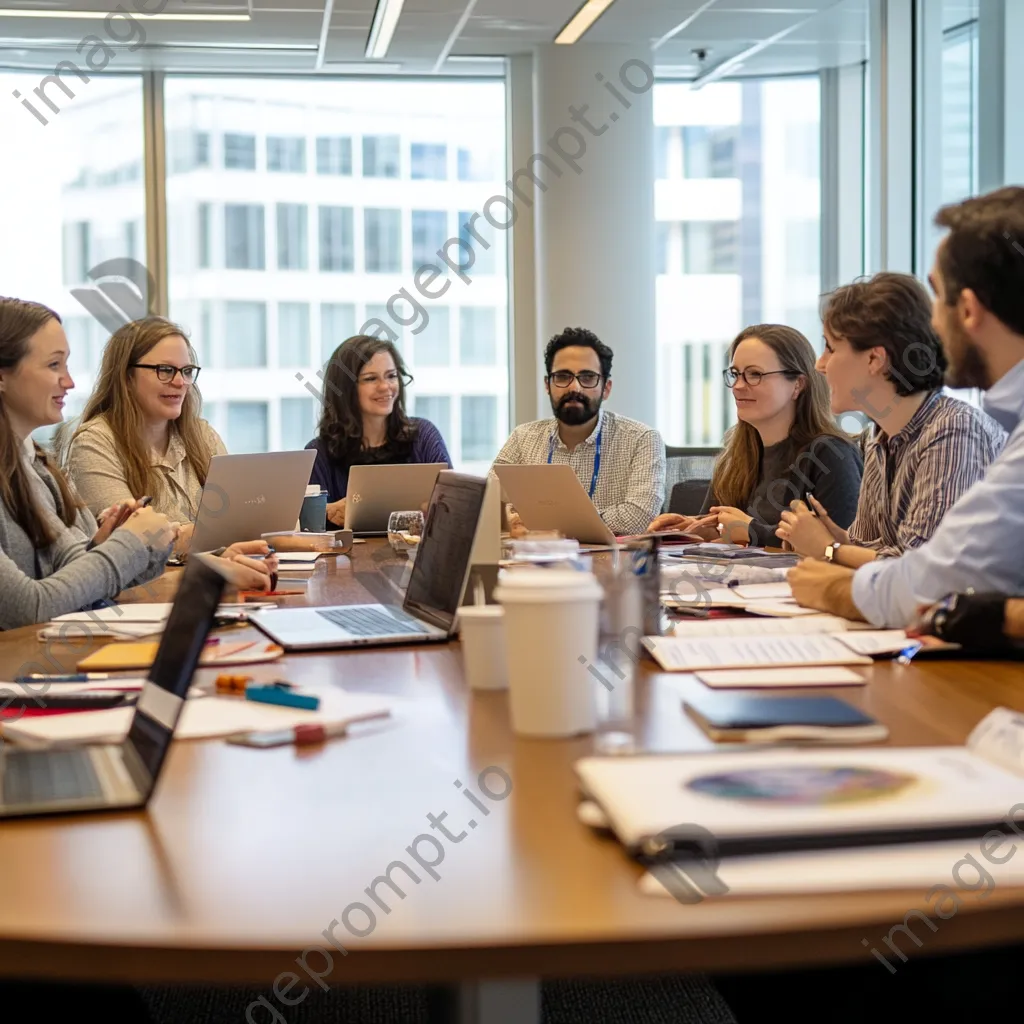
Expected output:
(405, 529)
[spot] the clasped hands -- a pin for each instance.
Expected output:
(722, 523)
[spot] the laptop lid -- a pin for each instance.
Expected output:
(247, 495)
(439, 574)
(374, 492)
(163, 696)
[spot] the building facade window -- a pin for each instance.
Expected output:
(476, 164)
(473, 227)
(710, 247)
(428, 161)
(293, 334)
(245, 345)
(248, 428)
(239, 152)
(292, 236)
(244, 242)
(334, 154)
(337, 239)
(478, 336)
(709, 152)
(381, 156)
(429, 232)
(298, 422)
(432, 346)
(479, 427)
(337, 322)
(437, 409)
(286, 153)
(383, 233)
(204, 227)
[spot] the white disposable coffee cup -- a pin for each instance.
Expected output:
(551, 632)
(482, 633)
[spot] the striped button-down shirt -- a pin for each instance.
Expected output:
(913, 478)
(631, 482)
(976, 544)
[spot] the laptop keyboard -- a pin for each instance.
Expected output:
(42, 776)
(372, 621)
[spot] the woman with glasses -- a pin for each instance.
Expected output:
(141, 433)
(364, 421)
(784, 447)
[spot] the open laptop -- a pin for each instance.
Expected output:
(247, 495)
(101, 777)
(374, 492)
(552, 498)
(436, 584)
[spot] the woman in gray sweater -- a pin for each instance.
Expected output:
(54, 555)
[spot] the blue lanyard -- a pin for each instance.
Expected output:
(597, 456)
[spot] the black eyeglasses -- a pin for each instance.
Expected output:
(751, 378)
(563, 378)
(391, 377)
(165, 373)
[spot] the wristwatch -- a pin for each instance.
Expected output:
(974, 620)
(830, 551)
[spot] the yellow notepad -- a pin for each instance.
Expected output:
(123, 657)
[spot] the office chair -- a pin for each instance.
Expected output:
(687, 478)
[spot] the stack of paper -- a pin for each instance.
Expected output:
(297, 561)
(685, 654)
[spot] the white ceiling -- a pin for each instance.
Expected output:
(284, 35)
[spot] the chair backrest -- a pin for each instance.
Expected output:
(687, 472)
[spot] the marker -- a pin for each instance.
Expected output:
(71, 677)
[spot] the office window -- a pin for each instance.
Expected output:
(479, 427)
(204, 227)
(960, 80)
(709, 152)
(742, 249)
(337, 322)
(292, 236)
(245, 333)
(429, 233)
(334, 154)
(383, 234)
(477, 164)
(244, 246)
(478, 336)
(381, 156)
(429, 160)
(239, 152)
(432, 346)
(662, 137)
(485, 257)
(364, 237)
(77, 251)
(298, 422)
(248, 429)
(293, 334)
(437, 409)
(337, 239)
(710, 247)
(131, 238)
(286, 153)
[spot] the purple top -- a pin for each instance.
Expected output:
(427, 446)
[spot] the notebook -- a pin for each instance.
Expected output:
(742, 719)
(120, 657)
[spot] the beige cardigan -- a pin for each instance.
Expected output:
(96, 470)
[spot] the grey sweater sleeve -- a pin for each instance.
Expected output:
(81, 578)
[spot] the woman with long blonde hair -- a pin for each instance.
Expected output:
(785, 445)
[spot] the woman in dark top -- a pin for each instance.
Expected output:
(785, 446)
(364, 420)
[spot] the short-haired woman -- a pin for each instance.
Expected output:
(364, 420)
(883, 358)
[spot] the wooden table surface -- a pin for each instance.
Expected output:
(245, 857)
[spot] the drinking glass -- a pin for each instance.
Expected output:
(405, 529)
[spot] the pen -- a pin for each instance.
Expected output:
(70, 677)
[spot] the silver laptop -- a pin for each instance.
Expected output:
(436, 584)
(247, 495)
(552, 498)
(101, 777)
(374, 492)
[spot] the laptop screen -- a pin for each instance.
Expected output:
(163, 695)
(442, 561)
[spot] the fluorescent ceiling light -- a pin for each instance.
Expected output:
(26, 12)
(385, 21)
(582, 20)
(360, 67)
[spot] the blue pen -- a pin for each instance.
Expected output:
(70, 677)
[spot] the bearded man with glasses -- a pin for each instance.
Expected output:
(620, 462)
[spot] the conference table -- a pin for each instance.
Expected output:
(246, 861)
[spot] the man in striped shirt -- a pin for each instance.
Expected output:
(883, 358)
(620, 462)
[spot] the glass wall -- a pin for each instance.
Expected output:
(72, 198)
(300, 213)
(738, 234)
